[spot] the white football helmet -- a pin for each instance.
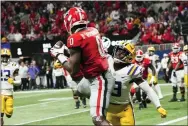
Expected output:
(139, 55)
(176, 47)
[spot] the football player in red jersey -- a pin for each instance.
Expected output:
(176, 76)
(85, 48)
(145, 63)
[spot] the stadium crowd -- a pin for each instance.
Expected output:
(35, 76)
(31, 21)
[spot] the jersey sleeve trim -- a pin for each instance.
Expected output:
(132, 70)
(135, 71)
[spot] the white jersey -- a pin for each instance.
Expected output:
(184, 59)
(154, 58)
(120, 93)
(6, 72)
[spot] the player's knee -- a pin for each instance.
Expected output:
(100, 121)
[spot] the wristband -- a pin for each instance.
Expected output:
(62, 58)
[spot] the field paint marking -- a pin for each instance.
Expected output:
(33, 95)
(60, 99)
(53, 117)
(165, 84)
(42, 91)
(58, 115)
(59, 90)
(174, 120)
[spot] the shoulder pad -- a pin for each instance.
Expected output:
(135, 70)
(74, 40)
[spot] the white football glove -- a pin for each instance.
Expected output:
(57, 49)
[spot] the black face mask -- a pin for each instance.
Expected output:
(5, 58)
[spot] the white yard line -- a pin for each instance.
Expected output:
(58, 115)
(174, 120)
(42, 91)
(68, 98)
(52, 117)
(61, 99)
(60, 90)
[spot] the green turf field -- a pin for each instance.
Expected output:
(56, 107)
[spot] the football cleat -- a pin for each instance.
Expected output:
(141, 106)
(162, 111)
(77, 105)
(182, 99)
(173, 100)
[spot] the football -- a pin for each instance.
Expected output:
(58, 45)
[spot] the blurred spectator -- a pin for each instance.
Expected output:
(58, 73)
(164, 63)
(33, 19)
(4, 40)
(18, 36)
(23, 69)
(49, 77)
(42, 78)
(33, 72)
(50, 7)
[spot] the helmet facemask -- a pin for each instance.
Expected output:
(122, 55)
(139, 58)
(151, 52)
(175, 49)
(5, 59)
(186, 52)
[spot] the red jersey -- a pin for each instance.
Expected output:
(93, 58)
(145, 63)
(174, 59)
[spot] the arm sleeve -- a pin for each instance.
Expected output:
(136, 72)
(151, 93)
(111, 64)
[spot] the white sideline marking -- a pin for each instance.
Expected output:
(42, 91)
(60, 90)
(174, 120)
(52, 117)
(55, 100)
(165, 84)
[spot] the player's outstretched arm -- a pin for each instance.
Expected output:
(152, 96)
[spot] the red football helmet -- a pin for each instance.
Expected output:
(139, 55)
(176, 47)
(74, 16)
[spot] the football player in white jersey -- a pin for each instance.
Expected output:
(9, 78)
(184, 60)
(153, 80)
(120, 111)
